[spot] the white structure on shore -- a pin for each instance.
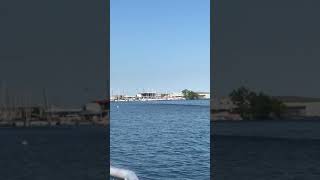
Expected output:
(153, 95)
(176, 96)
(204, 95)
(147, 95)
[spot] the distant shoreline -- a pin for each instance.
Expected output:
(160, 100)
(22, 124)
(59, 126)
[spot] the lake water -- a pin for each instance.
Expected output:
(264, 150)
(53, 153)
(161, 140)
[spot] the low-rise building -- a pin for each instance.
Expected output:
(298, 106)
(177, 95)
(203, 95)
(147, 95)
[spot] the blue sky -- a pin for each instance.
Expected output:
(161, 45)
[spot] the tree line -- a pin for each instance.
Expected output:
(252, 105)
(190, 95)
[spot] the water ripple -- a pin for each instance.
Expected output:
(160, 141)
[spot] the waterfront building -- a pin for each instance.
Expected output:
(117, 97)
(204, 95)
(147, 95)
(130, 98)
(176, 96)
(152, 95)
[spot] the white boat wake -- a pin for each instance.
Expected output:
(122, 174)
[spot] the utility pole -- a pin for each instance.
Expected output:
(45, 104)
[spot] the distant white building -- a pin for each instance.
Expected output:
(176, 96)
(301, 106)
(204, 95)
(147, 95)
(307, 109)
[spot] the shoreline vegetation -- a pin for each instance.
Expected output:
(190, 95)
(245, 104)
(251, 105)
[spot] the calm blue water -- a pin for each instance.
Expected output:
(264, 150)
(53, 153)
(161, 140)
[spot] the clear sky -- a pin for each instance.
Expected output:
(161, 45)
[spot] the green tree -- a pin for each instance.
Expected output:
(190, 95)
(241, 97)
(251, 105)
(261, 106)
(278, 108)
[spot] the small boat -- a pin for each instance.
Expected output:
(122, 174)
